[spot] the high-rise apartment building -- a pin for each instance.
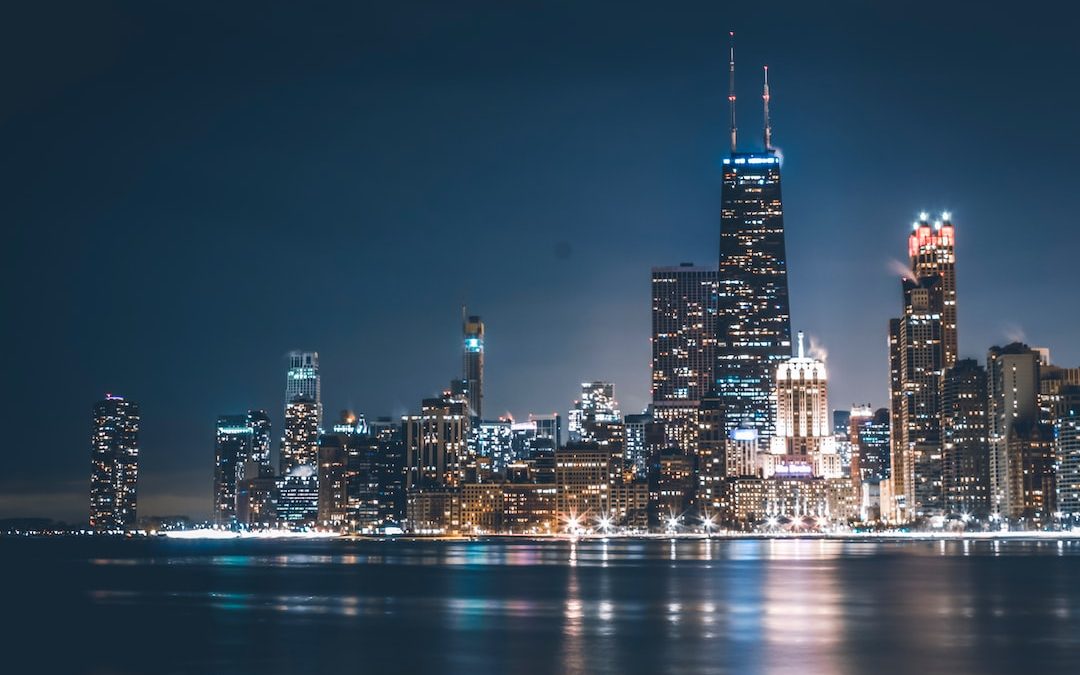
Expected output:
(435, 442)
(114, 464)
(966, 451)
(683, 345)
(1012, 415)
(917, 362)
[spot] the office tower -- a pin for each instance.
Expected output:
(917, 362)
(232, 450)
(548, 426)
(1013, 416)
(597, 406)
(636, 449)
(711, 451)
(584, 474)
(802, 406)
(870, 436)
(302, 381)
(683, 344)
(846, 427)
(114, 464)
(348, 476)
(300, 445)
(966, 449)
(672, 486)
(298, 496)
(753, 312)
(303, 412)
(742, 452)
(680, 422)
(1067, 433)
(389, 469)
(259, 423)
(435, 444)
(932, 252)
(494, 440)
(473, 364)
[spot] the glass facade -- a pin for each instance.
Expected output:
(753, 313)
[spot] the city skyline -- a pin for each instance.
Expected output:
(247, 379)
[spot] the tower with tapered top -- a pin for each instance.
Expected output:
(754, 316)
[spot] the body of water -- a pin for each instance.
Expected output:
(85, 605)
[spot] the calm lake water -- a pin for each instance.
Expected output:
(621, 606)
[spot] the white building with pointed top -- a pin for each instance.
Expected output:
(803, 444)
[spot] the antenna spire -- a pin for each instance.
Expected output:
(731, 87)
(768, 124)
(801, 345)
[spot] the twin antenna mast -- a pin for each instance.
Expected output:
(731, 98)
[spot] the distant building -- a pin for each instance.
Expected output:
(303, 412)
(389, 470)
(435, 442)
(473, 364)
(683, 346)
(1013, 423)
(233, 447)
(1067, 433)
(302, 381)
(548, 426)
(917, 360)
(802, 442)
(114, 464)
(966, 452)
(591, 493)
(596, 407)
(298, 497)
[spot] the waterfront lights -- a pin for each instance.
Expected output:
(605, 523)
(772, 521)
(672, 523)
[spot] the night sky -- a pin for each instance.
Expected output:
(193, 189)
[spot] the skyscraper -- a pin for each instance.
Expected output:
(303, 382)
(802, 439)
(932, 252)
(473, 364)
(753, 313)
(114, 464)
(917, 361)
(435, 444)
(232, 449)
(683, 332)
(303, 412)
(300, 444)
(966, 451)
(1020, 445)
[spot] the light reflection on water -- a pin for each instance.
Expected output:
(615, 605)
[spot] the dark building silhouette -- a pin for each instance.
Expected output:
(114, 464)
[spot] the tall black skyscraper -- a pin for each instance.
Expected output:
(114, 464)
(754, 317)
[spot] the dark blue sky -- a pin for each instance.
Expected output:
(193, 189)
